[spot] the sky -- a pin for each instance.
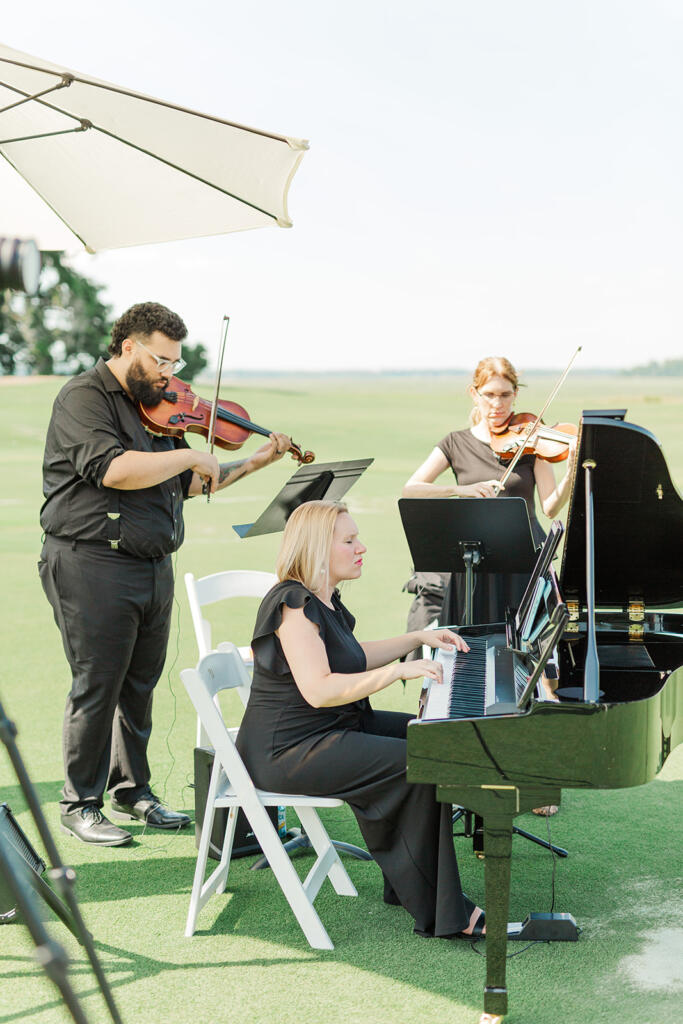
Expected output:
(483, 178)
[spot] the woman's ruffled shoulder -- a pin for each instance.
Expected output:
(349, 618)
(294, 595)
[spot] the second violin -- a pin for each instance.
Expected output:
(548, 443)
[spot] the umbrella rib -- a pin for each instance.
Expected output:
(183, 170)
(140, 149)
(65, 82)
(45, 135)
(292, 143)
(48, 203)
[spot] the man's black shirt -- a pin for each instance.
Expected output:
(93, 421)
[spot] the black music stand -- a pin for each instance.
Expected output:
(329, 480)
(477, 534)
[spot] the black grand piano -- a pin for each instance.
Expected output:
(620, 668)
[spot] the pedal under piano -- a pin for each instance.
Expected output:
(619, 658)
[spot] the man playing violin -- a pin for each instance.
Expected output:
(112, 518)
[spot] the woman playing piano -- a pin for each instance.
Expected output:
(476, 469)
(309, 727)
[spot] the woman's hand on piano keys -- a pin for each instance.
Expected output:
(424, 668)
(445, 639)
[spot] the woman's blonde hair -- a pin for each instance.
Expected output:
(307, 542)
(491, 366)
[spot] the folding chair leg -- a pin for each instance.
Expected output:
(201, 889)
(288, 879)
(226, 852)
(329, 861)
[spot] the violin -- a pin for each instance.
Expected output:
(180, 411)
(548, 443)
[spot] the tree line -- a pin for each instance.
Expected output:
(65, 327)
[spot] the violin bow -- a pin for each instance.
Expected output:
(525, 437)
(214, 406)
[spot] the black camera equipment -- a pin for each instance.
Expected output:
(19, 265)
(23, 882)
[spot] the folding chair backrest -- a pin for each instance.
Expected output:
(218, 587)
(220, 670)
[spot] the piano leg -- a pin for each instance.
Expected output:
(497, 850)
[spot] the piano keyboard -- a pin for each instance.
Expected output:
(489, 679)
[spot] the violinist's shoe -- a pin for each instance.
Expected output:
(90, 826)
(149, 809)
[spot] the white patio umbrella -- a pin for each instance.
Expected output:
(118, 168)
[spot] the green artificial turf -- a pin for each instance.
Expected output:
(248, 961)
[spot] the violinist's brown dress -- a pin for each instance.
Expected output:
(472, 461)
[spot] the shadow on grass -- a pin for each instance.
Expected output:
(48, 793)
(129, 968)
(615, 881)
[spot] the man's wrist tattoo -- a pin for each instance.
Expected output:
(226, 468)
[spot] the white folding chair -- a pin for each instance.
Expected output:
(220, 586)
(231, 786)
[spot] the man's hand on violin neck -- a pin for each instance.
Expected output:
(275, 447)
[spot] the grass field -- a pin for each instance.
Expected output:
(249, 961)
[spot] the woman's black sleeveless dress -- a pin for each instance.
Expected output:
(354, 753)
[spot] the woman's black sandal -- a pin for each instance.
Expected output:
(477, 930)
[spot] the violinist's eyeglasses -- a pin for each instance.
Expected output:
(163, 364)
(490, 396)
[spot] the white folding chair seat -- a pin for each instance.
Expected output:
(231, 786)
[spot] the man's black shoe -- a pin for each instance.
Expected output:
(149, 809)
(90, 826)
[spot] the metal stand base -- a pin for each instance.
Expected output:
(300, 841)
(473, 829)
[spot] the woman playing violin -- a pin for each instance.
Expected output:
(477, 469)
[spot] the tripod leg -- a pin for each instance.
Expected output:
(540, 842)
(63, 877)
(54, 903)
(50, 954)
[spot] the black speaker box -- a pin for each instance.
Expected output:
(245, 842)
(12, 834)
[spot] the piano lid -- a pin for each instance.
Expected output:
(638, 517)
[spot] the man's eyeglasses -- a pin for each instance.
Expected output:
(490, 396)
(176, 365)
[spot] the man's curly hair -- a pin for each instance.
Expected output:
(145, 318)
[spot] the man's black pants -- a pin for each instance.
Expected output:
(114, 613)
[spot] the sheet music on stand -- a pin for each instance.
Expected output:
(330, 480)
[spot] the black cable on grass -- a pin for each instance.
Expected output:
(167, 740)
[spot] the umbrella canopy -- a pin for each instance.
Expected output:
(119, 168)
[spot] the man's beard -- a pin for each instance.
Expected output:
(141, 388)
